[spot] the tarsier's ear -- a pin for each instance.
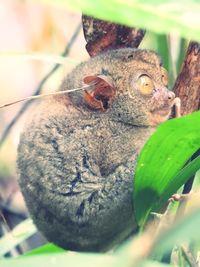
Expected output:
(99, 97)
(102, 35)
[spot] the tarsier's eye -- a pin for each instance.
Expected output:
(145, 84)
(164, 76)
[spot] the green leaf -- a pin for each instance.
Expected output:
(158, 171)
(20, 233)
(45, 249)
(161, 16)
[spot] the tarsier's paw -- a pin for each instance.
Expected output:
(177, 104)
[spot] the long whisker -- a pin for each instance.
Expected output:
(45, 95)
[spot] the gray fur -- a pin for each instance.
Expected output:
(77, 165)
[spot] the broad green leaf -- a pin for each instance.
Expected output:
(45, 249)
(161, 16)
(158, 171)
(20, 233)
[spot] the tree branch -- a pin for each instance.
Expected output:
(187, 85)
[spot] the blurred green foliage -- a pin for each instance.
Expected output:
(160, 16)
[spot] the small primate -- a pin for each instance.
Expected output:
(77, 153)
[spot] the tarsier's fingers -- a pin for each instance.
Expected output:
(177, 104)
(179, 197)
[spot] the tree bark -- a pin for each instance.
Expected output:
(187, 85)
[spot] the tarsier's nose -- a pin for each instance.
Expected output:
(171, 95)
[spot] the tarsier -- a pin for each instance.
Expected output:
(78, 151)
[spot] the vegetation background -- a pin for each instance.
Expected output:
(33, 35)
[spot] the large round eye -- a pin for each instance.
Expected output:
(164, 76)
(145, 84)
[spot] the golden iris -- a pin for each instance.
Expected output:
(145, 84)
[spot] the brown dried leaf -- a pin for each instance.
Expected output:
(102, 36)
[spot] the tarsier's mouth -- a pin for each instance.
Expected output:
(163, 113)
(163, 110)
(160, 114)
